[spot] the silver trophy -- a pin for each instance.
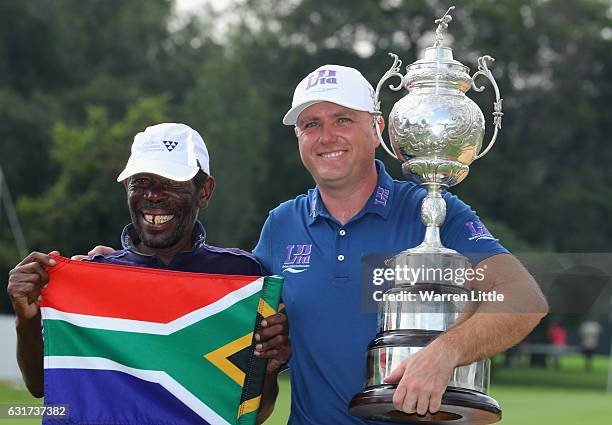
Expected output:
(436, 131)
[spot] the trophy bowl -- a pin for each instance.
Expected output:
(436, 131)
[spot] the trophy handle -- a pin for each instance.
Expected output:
(483, 70)
(394, 71)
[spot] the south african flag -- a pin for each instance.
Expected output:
(128, 345)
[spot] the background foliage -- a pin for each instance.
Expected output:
(78, 79)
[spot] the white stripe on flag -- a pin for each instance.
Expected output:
(139, 326)
(159, 377)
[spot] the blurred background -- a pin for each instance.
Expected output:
(79, 78)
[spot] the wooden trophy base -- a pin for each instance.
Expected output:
(459, 407)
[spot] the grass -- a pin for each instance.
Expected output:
(530, 396)
(552, 406)
(571, 374)
(9, 395)
(527, 396)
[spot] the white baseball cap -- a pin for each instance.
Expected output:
(174, 151)
(331, 83)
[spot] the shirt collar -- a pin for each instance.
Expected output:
(380, 200)
(316, 205)
(130, 239)
(382, 197)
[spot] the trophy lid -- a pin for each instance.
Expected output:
(437, 67)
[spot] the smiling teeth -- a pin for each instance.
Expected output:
(332, 154)
(157, 219)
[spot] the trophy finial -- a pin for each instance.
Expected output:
(442, 26)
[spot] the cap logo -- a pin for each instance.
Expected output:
(323, 76)
(170, 144)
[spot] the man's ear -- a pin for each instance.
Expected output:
(206, 192)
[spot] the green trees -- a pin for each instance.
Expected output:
(85, 203)
(69, 71)
(78, 79)
(545, 182)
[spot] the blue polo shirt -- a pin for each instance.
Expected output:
(320, 260)
(202, 258)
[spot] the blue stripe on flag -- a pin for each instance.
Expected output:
(111, 397)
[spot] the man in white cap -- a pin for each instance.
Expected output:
(167, 179)
(316, 241)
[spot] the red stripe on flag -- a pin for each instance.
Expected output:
(152, 295)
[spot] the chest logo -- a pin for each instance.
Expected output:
(297, 259)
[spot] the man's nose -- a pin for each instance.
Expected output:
(328, 133)
(155, 193)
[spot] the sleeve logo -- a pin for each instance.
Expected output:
(478, 231)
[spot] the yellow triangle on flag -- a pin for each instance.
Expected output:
(219, 357)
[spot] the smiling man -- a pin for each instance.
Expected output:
(316, 242)
(167, 180)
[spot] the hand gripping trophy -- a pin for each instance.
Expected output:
(436, 131)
